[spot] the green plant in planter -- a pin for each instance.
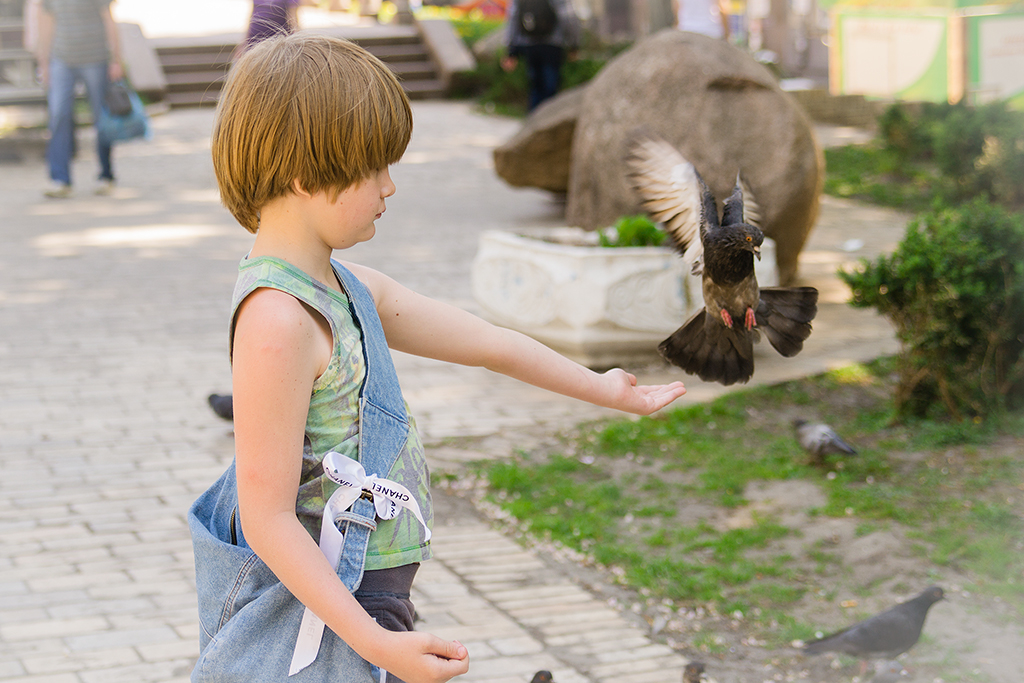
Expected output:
(632, 231)
(954, 289)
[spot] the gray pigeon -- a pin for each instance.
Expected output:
(884, 635)
(716, 344)
(820, 440)
(890, 672)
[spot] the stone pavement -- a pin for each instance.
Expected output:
(113, 314)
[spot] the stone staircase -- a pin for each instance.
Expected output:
(195, 68)
(17, 66)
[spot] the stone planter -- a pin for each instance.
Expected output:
(602, 307)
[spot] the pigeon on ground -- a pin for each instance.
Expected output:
(716, 344)
(542, 676)
(820, 440)
(884, 635)
(890, 672)
(222, 405)
(692, 672)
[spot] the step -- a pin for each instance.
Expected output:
(195, 70)
(195, 79)
(423, 90)
(413, 70)
(13, 95)
(192, 60)
(192, 98)
(393, 52)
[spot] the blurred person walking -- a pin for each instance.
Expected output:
(270, 18)
(541, 33)
(77, 41)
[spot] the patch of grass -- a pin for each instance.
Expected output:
(627, 507)
(867, 172)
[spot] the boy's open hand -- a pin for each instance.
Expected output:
(643, 399)
(419, 657)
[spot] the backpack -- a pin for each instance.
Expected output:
(537, 18)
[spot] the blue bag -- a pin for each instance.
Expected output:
(134, 124)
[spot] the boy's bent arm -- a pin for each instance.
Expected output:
(276, 360)
(422, 326)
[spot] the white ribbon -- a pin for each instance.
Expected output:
(388, 499)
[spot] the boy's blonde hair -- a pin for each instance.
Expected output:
(305, 107)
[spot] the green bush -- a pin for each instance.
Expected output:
(632, 231)
(954, 289)
(975, 151)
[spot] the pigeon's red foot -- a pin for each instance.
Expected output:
(726, 318)
(751, 321)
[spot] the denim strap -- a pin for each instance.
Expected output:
(383, 429)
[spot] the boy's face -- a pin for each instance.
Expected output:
(349, 219)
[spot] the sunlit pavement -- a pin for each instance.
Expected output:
(163, 18)
(113, 314)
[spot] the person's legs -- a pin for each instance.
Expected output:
(532, 64)
(550, 68)
(60, 99)
(95, 76)
(543, 72)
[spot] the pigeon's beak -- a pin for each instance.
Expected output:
(757, 253)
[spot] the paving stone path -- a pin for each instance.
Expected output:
(113, 314)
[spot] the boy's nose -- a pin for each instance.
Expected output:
(388, 186)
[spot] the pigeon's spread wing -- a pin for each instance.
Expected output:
(670, 192)
(752, 214)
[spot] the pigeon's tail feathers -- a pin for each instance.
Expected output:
(715, 353)
(822, 645)
(784, 314)
(842, 446)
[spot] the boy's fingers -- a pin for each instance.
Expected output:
(450, 649)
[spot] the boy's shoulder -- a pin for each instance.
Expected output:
(274, 307)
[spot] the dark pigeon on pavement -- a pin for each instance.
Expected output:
(717, 343)
(820, 440)
(692, 672)
(222, 405)
(542, 676)
(883, 636)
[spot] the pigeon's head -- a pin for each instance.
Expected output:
(933, 594)
(744, 237)
(542, 676)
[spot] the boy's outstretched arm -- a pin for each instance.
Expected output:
(424, 327)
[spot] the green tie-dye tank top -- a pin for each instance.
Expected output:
(332, 423)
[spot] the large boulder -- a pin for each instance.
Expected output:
(538, 155)
(724, 112)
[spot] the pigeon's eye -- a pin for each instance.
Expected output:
(749, 238)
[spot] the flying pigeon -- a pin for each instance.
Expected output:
(890, 672)
(820, 440)
(884, 635)
(716, 344)
(692, 672)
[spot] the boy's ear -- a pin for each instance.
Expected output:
(298, 189)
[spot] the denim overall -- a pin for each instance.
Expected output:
(248, 620)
